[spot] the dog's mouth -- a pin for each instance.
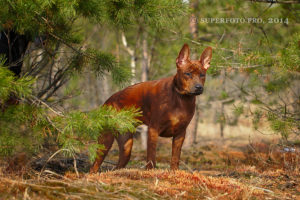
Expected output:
(186, 92)
(196, 93)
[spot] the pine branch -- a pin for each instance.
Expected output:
(47, 106)
(275, 1)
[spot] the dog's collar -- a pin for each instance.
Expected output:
(178, 91)
(176, 88)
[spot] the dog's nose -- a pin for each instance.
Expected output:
(199, 87)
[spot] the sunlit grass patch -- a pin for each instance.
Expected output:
(179, 183)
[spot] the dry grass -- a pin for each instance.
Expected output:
(130, 184)
(230, 168)
(181, 184)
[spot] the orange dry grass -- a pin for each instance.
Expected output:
(130, 184)
(180, 183)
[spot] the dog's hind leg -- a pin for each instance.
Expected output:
(107, 140)
(125, 143)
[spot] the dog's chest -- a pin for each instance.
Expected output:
(175, 121)
(177, 112)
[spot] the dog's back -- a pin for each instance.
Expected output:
(146, 96)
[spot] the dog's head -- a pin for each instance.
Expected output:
(191, 74)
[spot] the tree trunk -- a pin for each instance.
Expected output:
(131, 52)
(145, 67)
(13, 46)
(222, 116)
(222, 124)
(193, 19)
(191, 132)
(145, 71)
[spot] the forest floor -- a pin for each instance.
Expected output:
(230, 168)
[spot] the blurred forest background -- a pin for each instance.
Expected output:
(61, 59)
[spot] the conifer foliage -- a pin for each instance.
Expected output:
(50, 63)
(27, 126)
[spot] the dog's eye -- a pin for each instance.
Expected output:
(188, 74)
(202, 75)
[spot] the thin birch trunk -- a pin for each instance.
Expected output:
(131, 52)
(145, 70)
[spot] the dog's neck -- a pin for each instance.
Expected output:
(177, 89)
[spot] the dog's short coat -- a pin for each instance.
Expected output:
(167, 106)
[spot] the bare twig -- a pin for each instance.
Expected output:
(56, 174)
(110, 162)
(45, 104)
(60, 150)
(275, 1)
(263, 189)
(190, 170)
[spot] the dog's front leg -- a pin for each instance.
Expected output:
(176, 150)
(151, 147)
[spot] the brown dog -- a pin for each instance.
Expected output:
(167, 106)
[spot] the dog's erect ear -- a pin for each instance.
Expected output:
(206, 57)
(184, 55)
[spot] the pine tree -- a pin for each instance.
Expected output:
(59, 54)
